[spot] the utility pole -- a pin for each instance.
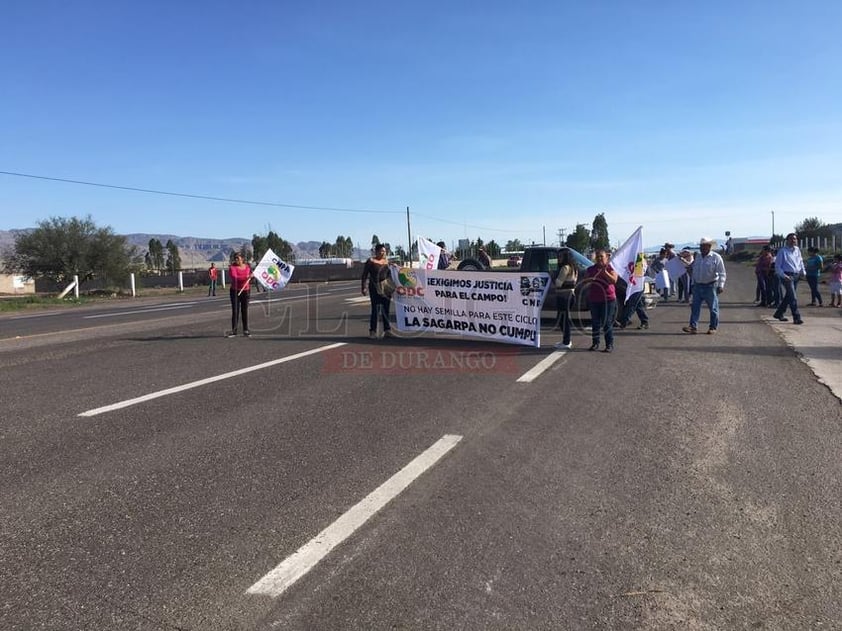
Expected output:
(561, 232)
(409, 238)
(773, 224)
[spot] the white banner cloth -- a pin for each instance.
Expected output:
(495, 306)
(630, 262)
(428, 254)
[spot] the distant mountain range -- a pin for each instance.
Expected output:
(195, 251)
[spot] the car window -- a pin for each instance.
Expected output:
(539, 260)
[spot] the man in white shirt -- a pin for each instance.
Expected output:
(708, 274)
(789, 266)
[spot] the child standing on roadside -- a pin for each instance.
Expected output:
(836, 281)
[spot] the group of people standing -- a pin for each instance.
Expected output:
(700, 279)
(670, 273)
(705, 274)
(778, 273)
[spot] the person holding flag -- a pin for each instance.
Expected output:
(630, 262)
(241, 276)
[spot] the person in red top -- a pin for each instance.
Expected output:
(213, 274)
(240, 274)
(600, 282)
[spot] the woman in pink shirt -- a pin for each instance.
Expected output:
(240, 274)
(601, 281)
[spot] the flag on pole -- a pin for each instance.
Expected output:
(272, 272)
(428, 254)
(629, 261)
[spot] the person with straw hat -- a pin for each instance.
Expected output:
(708, 276)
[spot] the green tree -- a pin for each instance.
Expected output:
(813, 228)
(343, 246)
(272, 241)
(246, 253)
(514, 245)
(259, 245)
(155, 258)
(325, 250)
(61, 248)
(493, 249)
(375, 241)
(579, 239)
(173, 257)
(280, 246)
(599, 232)
(401, 253)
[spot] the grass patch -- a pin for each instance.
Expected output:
(20, 303)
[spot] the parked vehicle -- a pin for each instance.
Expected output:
(514, 261)
(544, 258)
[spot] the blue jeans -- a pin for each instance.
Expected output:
(602, 319)
(565, 302)
(379, 306)
(773, 287)
(762, 291)
(790, 298)
(707, 294)
(636, 305)
(815, 296)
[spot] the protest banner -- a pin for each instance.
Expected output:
(495, 306)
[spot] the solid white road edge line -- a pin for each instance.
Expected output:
(540, 367)
(183, 305)
(203, 382)
(308, 555)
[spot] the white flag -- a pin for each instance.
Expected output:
(629, 261)
(428, 254)
(272, 272)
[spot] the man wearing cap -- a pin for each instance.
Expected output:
(789, 266)
(708, 274)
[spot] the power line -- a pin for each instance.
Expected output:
(229, 200)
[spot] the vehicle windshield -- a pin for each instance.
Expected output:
(546, 259)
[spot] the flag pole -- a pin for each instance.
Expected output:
(409, 239)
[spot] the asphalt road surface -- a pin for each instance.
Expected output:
(155, 475)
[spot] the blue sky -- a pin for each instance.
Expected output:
(497, 120)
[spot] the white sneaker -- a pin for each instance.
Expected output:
(559, 345)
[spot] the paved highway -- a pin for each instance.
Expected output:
(156, 475)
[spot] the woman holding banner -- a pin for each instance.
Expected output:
(240, 274)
